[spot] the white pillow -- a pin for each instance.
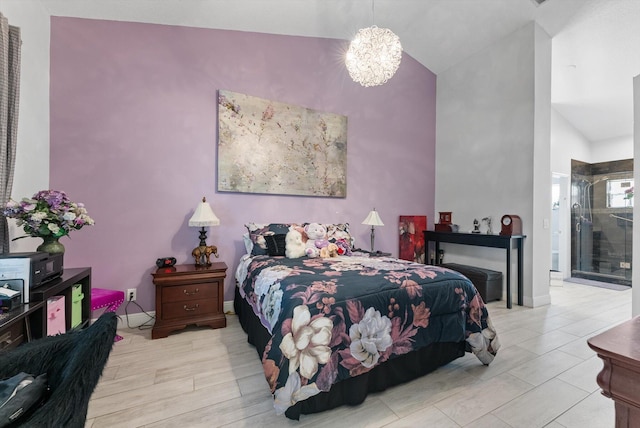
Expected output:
(248, 245)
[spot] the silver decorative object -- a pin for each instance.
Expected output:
(488, 221)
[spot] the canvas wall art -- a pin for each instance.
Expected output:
(271, 147)
(411, 229)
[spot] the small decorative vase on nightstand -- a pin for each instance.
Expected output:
(51, 244)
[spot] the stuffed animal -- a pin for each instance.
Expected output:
(344, 249)
(321, 243)
(316, 233)
(294, 247)
(331, 250)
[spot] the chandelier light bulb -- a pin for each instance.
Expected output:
(373, 56)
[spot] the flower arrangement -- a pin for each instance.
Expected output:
(49, 213)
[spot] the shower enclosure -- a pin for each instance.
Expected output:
(602, 221)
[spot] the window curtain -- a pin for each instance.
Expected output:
(9, 93)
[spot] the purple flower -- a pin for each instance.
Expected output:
(48, 213)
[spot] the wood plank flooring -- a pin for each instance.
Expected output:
(543, 376)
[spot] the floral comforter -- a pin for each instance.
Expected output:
(335, 318)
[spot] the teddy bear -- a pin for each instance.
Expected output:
(294, 247)
(316, 239)
(331, 250)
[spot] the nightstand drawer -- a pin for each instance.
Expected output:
(190, 309)
(13, 336)
(180, 293)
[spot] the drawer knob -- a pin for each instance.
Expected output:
(6, 339)
(197, 290)
(192, 308)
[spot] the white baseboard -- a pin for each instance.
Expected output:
(228, 307)
(140, 318)
(135, 320)
(537, 301)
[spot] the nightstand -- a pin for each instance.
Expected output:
(189, 294)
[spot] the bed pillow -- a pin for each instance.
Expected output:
(339, 231)
(248, 245)
(276, 244)
(257, 232)
(256, 244)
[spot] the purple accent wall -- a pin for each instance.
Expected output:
(134, 132)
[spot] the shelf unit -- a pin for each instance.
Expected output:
(29, 321)
(62, 287)
(15, 326)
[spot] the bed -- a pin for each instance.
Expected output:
(330, 330)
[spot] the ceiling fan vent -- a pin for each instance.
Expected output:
(538, 2)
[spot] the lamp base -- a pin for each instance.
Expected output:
(203, 237)
(373, 235)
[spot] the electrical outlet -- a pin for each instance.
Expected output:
(132, 293)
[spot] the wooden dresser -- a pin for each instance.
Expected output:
(619, 349)
(189, 294)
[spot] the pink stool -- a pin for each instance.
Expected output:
(109, 299)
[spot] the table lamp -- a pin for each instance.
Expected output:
(203, 217)
(373, 219)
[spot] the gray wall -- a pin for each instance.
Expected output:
(486, 128)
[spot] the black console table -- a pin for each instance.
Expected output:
(484, 240)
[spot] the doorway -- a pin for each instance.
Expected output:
(602, 221)
(559, 225)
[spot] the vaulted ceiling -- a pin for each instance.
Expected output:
(596, 43)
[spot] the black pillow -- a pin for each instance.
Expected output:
(20, 394)
(276, 244)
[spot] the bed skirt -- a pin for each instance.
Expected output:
(353, 391)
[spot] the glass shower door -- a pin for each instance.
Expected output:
(602, 226)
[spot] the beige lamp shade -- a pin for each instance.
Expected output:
(204, 216)
(373, 219)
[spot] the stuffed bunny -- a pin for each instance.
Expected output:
(294, 247)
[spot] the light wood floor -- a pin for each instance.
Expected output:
(544, 376)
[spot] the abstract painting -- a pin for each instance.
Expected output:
(412, 238)
(271, 147)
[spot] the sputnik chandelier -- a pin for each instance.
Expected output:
(373, 56)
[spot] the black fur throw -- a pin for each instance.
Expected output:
(73, 363)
